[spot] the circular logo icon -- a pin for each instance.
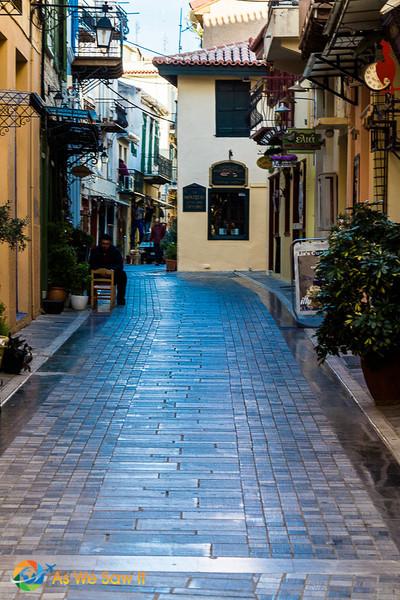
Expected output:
(28, 575)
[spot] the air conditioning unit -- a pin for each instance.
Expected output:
(129, 183)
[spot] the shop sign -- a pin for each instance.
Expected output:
(306, 256)
(283, 161)
(228, 173)
(264, 162)
(194, 198)
(301, 140)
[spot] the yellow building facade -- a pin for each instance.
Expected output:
(20, 69)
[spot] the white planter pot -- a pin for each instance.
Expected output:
(79, 302)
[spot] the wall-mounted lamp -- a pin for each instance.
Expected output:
(104, 30)
(282, 108)
(297, 87)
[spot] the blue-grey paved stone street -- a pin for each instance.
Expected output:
(185, 425)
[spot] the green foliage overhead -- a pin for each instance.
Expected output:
(360, 287)
(12, 229)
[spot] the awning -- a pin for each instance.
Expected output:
(93, 195)
(164, 203)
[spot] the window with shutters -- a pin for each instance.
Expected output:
(232, 108)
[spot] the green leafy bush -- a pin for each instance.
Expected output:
(360, 287)
(62, 265)
(12, 229)
(169, 243)
(80, 279)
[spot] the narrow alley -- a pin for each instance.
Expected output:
(180, 437)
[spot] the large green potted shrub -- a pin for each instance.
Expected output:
(62, 264)
(359, 295)
(62, 260)
(80, 281)
(170, 247)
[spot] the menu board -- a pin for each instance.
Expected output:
(194, 198)
(306, 254)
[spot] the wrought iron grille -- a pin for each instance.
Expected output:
(10, 7)
(16, 109)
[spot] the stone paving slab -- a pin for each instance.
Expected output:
(347, 368)
(45, 335)
(181, 428)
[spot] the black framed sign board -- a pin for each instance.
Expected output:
(194, 197)
(228, 174)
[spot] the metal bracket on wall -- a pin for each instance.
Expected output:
(10, 8)
(17, 109)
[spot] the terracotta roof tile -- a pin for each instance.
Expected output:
(238, 54)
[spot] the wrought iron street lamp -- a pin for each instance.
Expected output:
(104, 30)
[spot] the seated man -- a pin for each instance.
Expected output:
(107, 256)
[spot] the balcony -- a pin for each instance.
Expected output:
(158, 170)
(313, 17)
(266, 125)
(92, 60)
(281, 38)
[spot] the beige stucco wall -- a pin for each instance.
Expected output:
(20, 46)
(233, 21)
(198, 150)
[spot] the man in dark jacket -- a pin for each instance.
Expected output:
(107, 256)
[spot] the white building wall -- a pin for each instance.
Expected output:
(198, 149)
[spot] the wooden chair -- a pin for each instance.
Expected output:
(102, 286)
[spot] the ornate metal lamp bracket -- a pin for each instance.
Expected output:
(15, 109)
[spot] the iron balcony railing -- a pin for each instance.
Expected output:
(158, 167)
(265, 122)
(312, 19)
(90, 60)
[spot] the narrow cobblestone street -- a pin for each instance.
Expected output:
(186, 436)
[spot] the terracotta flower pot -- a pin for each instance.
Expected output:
(57, 293)
(171, 264)
(382, 379)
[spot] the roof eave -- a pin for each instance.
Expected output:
(172, 72)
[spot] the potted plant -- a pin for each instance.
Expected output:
(359, 297)
(62, 264)
(80, 281)
(170, 253)
(170, 247)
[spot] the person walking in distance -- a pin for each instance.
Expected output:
(107, 256)
(157, 234)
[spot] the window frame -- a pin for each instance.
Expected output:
(232, 238)
(234, 133)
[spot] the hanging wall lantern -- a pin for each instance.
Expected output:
(104, 30)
